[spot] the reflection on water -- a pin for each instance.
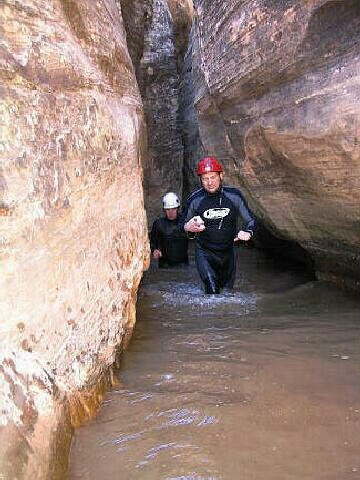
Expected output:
(258, 383)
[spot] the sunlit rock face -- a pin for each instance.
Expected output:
(277, 91)
(73, 232)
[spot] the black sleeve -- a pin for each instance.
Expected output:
(155, 236)
(185, 216)
(248, 219)
(190, 209)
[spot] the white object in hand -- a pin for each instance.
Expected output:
(195, 224)
(245, 236)
(198, 220)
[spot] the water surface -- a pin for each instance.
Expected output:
(259, 383)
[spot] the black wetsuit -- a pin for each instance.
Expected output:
(173, 243)
(224, 214)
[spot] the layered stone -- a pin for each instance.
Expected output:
(277, 94)
(159, 85)
(73, 228)
(156, 59)
(189, 121)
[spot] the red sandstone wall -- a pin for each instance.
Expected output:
(277, 92)
(73, 232)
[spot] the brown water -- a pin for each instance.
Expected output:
(260, 383)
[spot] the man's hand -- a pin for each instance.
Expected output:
(157, 254)
(195, 224)
(244, 236)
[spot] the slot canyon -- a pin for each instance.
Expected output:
(107, 105)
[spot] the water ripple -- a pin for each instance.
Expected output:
(155, 451)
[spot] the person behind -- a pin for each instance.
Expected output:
(213, 213)
(169, 244)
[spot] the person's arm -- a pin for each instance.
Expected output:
(247, 217)
(189, 220)
(155, 241)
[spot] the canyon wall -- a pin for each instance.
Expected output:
(95, 93)
(277, 94)
(157, 33)
(159, 81)
(189, 121)
(73, 230)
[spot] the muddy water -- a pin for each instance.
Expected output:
(260, 383)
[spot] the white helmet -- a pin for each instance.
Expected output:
(170, 200)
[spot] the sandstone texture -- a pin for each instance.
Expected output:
(73, 230)
(182, 14)
(277, 94)
(157, 32)
(159, 84)
(100, 99)
(137, 15)
(189, 121)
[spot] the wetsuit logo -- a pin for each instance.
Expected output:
(216, 213)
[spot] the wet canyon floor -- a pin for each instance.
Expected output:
(258, 383)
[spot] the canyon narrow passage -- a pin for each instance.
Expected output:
(259, 383)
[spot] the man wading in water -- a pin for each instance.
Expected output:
(213, 212)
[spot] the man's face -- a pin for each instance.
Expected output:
(211, 181)
(171, 213)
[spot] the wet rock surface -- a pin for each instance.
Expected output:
(259, 382)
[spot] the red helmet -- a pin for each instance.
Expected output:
(209, 164)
